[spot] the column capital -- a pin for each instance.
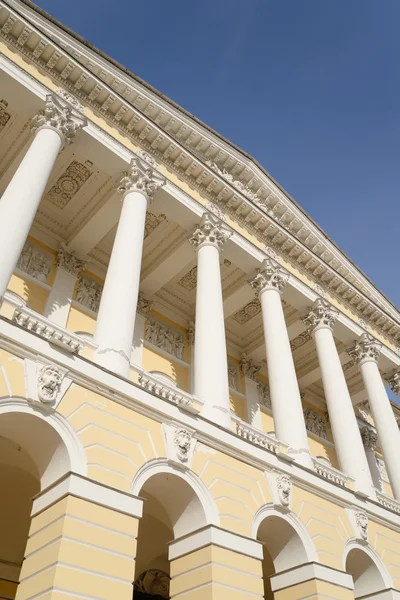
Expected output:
(321, 315)
(140, 177)
(369, 438)
(210, 232)
(269, 277)
(394, 382)
(249, 367)
(62, 114)
(366, 349)
(144, 305)
(69, 261)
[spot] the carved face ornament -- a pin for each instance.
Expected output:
(182, 439)
(284, 489)
(49, 383)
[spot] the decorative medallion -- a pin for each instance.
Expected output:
(152, 221)
(189, 281)
(68, 184)
(300, 340)
(4, 116)
(247, 312)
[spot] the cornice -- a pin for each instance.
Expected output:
(208, 163)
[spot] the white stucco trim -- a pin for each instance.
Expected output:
(268, 510)
(73, 484)
(308, 572)
(217, 537)
(374, 556)
(76, 452)
(161, 465)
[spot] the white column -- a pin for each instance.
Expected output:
(285, 395)
(58, 304)
(117, 310)
(53, 127)
(369, 439)
(210, 356)
(321, 320)
(365, 353)
(143, 307)
(190, 337)
(250, 370)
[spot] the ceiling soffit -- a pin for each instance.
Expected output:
(220, 172)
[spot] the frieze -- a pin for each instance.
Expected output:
(152, 221)
(233, 376)
(35, 261)
(264, 397)
(164, 337)
(88, 293)
(300, 340)
(315, 422)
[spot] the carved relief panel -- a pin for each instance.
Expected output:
(35, 261)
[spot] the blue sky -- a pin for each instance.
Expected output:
(308, 87)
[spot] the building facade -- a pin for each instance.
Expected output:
(193, 376)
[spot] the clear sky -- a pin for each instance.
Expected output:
(308, 87)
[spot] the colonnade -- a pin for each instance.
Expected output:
(56, 126)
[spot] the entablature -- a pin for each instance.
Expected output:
(213, 168)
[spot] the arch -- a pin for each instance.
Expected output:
(203, 510)
(303, 541)
(47, 438)
(368, 570)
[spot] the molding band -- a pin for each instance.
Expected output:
(211, 535)
(76, 485)
(309, 571)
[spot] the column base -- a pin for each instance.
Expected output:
(113, 360)
(218, 415)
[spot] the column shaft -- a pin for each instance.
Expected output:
(385, 422)
(211, 383)
(285, 395)
(365, 353)
(117, 311)
(210, 356)
(22, 197)
(345, 430)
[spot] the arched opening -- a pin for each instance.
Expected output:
(367, 577)
(283, 548)
(171, 509)
(32, 456)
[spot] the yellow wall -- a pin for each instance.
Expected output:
(78, 320)
(34, 294)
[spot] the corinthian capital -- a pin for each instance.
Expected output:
(60, 114)
(144, 305)
(249, 367)
(394, 382)
(365, 349)
(69, 261)
(210, 231)
(270, 277)
(369, 438)
(141, 177)
(320, 315)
